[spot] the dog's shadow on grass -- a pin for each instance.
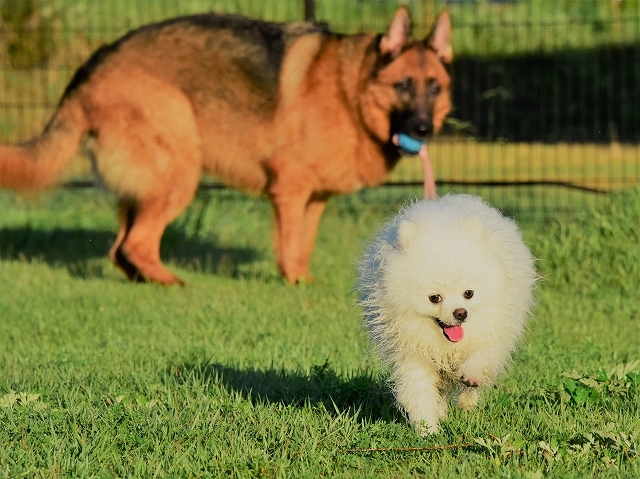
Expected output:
(364, 395)
(77, 249)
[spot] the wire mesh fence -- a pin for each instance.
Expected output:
(546, 92)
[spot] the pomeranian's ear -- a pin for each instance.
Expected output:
(406, 232)
(474, 227)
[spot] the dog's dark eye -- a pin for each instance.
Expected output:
(434, 88)
(404, 86)
(435, 298)
(468, 294)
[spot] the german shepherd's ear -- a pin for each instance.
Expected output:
(440, 37)
(399, 33)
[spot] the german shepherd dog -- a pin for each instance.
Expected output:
(290, 110)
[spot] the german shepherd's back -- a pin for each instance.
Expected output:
(291, 110)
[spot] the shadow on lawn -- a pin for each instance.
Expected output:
(366, 396)
(75, 248)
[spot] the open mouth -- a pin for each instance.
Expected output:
(452, 333)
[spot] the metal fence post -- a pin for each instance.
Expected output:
(310, 11)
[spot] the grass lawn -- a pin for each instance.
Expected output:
(239, 374)
(602, 167)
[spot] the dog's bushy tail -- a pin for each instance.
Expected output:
(38, 162)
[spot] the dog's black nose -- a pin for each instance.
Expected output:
(460, 314)
(422, 128)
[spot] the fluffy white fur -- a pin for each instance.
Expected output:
(445, 247)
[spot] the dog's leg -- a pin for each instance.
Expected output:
(416, 388)
(312, 215)
(289, 199)
(147, 149)
(472, 375)
(289, 216)
(136, 250)
(126, 216)
(143, 219)
(140, 247)
(479, 369)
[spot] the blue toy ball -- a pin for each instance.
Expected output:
(409, 144)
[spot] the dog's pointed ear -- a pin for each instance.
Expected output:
(439, 39)
(407, 230)
(398, 34)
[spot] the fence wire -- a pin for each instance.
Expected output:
(546, 92)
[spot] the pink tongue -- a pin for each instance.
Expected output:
(453, 333)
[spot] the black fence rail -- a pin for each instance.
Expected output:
(546, 92)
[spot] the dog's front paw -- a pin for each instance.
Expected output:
(426, 420)
(470, 382)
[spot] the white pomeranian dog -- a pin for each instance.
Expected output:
(446, 287)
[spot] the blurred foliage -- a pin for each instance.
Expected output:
(27, 32)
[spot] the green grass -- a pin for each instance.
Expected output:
(603, 167)
(239, 374)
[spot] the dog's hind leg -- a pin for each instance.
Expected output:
(138, 253)
(147, 149)
(126, 215)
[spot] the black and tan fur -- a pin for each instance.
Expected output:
(290, 110)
